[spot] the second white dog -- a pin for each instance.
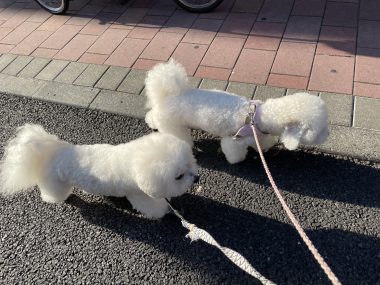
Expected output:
(175, 108)
(146, 170)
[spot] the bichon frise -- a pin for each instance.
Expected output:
(175, 108)
(145, 171)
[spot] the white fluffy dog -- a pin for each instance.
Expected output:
(146, 170)
(175, 108)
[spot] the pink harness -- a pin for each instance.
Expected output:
(246, 129)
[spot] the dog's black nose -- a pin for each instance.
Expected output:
(196, 178)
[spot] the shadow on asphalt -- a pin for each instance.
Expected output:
(272, 247)
(306, 173)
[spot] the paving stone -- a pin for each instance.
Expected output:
(367, 115)
(242, 89)
(71, 72)
(121, 103)
(345, 141)
(67, 94)
(253, 66)
(340, 108)
(17, 65)
(265, 92)
(216, 73)
(91, 75)
(112, 78)
(5, 60)
(19, 86)
(34, 67)
(52, 69)
(134, 82)
(332, 74)
(194, 82)
(213, 84)
(291, 91)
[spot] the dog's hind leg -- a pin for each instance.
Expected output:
(148, 206)
(234, 150)
(54, 191)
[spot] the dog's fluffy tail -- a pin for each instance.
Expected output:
(25, 158)
(165, 79)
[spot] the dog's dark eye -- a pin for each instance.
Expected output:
(179, 177)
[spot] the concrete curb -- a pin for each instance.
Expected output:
(355, 121)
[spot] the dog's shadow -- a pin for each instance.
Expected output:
(302, 172)
(272, 247)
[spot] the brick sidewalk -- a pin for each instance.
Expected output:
(331, 46)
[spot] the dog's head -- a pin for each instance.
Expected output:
(164, 166)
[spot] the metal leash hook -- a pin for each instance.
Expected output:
(196, 233)
(246, 129)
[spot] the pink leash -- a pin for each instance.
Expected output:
(293, 219)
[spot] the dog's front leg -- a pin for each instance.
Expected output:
(234, 150)
(148, 206)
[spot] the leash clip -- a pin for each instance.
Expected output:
(246, 130)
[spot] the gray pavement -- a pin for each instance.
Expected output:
(99, 240)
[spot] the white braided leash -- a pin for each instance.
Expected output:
(196, 233)
(330, 274)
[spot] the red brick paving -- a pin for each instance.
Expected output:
(369, 90)
(265, 36)
(337, 41)
(223, 52)
(309, 8)
(341, 14)
(18, 18)
(253, 66)
(332, 74)
(276, 11)
(31, 42)
(203, 31)
(145, 64)
(45, 52)
(162, 46)
(99, 25)
(367, 66)
(108, 41)
(179, 23)
(331, 46)
(367, 34)
(61, 37)
(213, 72)
(76, 47)
(39, 16)
(4, 48)
(19, 33)
(93, 58)
(190, 55)
(287, 81)
(294, 58)
(53, 23)
(303, 28)
(237, 25)
(127, 52)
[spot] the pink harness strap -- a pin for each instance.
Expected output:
(246, 129)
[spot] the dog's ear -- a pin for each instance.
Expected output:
(149, 183)
(292, 135)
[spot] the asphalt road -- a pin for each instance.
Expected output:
(99, 240)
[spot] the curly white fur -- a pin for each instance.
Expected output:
(145, 170)
(175, 108)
